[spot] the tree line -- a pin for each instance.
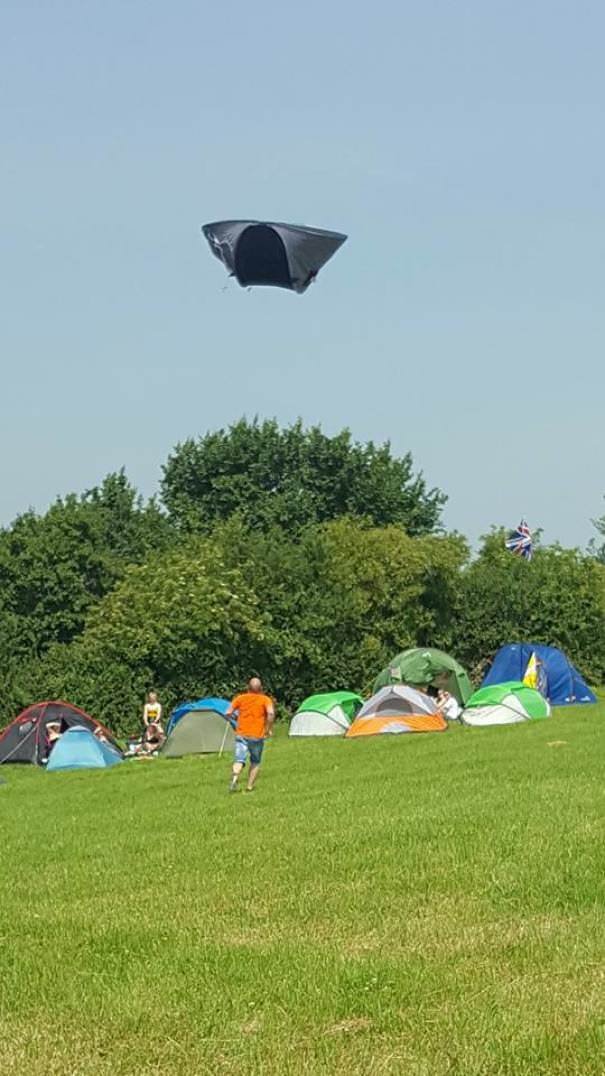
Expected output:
(307, 559)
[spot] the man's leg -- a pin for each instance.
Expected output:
(235, 772)
(252, 775)
(239, 761)
(256, 754)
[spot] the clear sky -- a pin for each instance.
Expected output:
(459, 144)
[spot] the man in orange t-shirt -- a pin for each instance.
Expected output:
(255, 716)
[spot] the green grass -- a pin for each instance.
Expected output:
(425, 905)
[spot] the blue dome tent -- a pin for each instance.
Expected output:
(559, 680)
(79, 749)
(217, 706)
(199, 728)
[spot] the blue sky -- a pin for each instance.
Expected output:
(458, 144)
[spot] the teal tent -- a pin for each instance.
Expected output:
(79, 749)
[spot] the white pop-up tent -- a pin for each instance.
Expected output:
(325, 715)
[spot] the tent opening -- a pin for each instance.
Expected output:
(261, 258)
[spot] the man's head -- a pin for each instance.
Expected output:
(255, 685)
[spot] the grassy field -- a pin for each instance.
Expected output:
(421, 905)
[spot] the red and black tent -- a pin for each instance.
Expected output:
(26, 738)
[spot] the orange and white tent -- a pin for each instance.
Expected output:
(397, 708)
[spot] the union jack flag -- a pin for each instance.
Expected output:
(520, 541)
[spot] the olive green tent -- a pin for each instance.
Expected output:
(199, 732)
(424, 667)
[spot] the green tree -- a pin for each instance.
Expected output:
(597, 546)
(184, 623)
(345, 597)
(55, 566)
(293, 477)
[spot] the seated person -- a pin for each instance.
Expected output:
(153, 738)
(52, 733)
(449, 706)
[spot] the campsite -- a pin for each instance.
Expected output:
(302, 539)
(413, 893)
(415, 885)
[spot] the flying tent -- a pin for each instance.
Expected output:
(26, 738)
(79, 749)
(199, 728)
(397, 709)
(559, 680)
(278, 255)
(427, 666)
(325, 715)
(505, 704)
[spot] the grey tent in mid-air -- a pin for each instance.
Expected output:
(278, 255)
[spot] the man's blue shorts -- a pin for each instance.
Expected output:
(245, 746)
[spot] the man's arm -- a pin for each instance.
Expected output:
(269, 719)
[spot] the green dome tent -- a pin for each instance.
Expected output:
(325, 715)
(505, 704)
(423, 667)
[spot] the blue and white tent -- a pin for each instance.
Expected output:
(557, 679)
(79, 749)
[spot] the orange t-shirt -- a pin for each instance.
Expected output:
(251, 714)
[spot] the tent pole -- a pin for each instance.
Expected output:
(224, 738)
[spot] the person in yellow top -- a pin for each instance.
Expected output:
(255, 715)
(152, 712)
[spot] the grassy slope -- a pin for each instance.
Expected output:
(418, 905)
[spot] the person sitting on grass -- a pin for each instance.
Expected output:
(255, 716)
(153, 738)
